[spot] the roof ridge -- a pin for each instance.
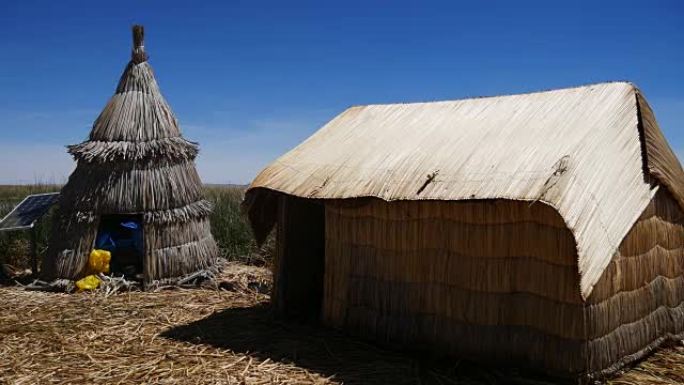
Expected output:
(605, 83)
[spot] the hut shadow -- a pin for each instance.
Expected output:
(254, 331)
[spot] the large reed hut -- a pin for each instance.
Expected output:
(541, 230)
(135, 189)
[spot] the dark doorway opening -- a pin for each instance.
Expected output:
(122, 235)
(300, 258)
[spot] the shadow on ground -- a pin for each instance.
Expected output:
(254, 331)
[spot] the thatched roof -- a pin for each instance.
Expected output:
(594, 153)
(135, 161)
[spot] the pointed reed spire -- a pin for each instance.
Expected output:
(138, 55)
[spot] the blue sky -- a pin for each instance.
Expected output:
(251, 79)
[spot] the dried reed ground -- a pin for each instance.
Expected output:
(202, 336)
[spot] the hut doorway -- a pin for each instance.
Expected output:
(122, 235)
(300, 258)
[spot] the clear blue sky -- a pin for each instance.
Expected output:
(251, 79)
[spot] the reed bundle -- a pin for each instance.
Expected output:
(639, 300)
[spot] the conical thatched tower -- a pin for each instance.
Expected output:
(135, 170)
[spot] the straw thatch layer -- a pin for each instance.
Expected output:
(593, 153)
(135, 116)
(174, 149)
(165, 235)
(70, 245)
(137, 111)
(193, 211)
(108, 188)
(659, 159)
(181, 259)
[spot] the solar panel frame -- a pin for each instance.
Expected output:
(33, 214)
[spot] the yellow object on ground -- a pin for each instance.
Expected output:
(99, 261)
(90, 282)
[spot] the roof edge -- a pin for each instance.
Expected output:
(660, 167)
(660, 161)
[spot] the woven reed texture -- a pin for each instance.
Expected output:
(491, 280)
(484, 278)
(135, 162)
(588, 152)
(111, 188)
(639, 301)
(168, 246)
(70, 245)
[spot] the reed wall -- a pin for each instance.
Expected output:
(123, 188)
(172, 248)
(497, 281)
(176, 249)
(493, 280)
(71, 241)
(639, 301)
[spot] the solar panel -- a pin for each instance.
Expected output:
(28, 211)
